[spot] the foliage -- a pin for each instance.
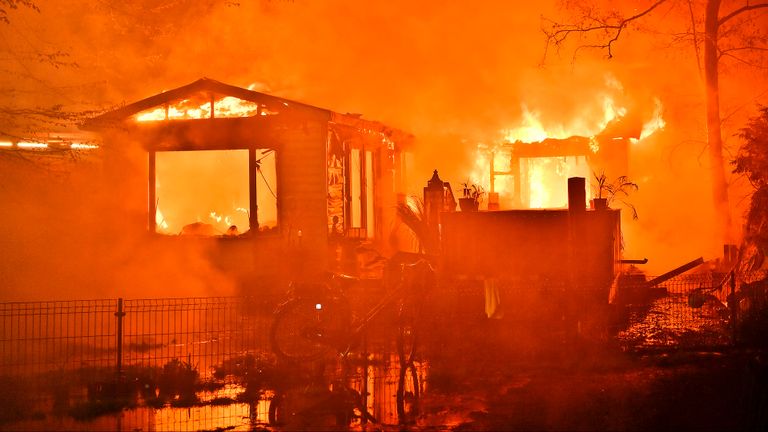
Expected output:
(752, 161)
(411, 212)
(178, 382)
(473, 191)
(615, 190)
(752, 157)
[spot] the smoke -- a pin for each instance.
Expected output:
(454, 74)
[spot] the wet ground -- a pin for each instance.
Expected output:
(482, 384)
(476, 374)
(598, 386)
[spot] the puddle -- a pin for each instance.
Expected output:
(238, 400)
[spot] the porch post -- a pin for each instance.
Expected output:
(151, 195)
(253, 171)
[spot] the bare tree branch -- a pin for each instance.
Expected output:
(744, 61)
(740, 10)
(7, 5)
(696, 48)
(560, 32)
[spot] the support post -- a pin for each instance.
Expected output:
(253, 209)
(152, 192)
(119, 314)
(733, 305)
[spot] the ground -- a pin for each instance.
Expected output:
(596, 386)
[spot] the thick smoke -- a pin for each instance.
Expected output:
(454, 74)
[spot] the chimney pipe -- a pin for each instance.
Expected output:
(577, 194)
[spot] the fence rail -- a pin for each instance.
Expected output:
(37, 337)
(83, 359)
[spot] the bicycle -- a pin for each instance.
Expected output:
(316, 321)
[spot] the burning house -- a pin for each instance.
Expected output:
(263, 177)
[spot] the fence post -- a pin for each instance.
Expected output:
(119, 314)
(733, 304)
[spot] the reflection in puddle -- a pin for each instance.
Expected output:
(242, 405)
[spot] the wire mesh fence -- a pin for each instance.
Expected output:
(688, 311)
(158, 364)
(88, 357)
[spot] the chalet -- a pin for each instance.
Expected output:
(263, 177)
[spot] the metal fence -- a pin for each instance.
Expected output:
(108, 362)
(39, 337)
(81, 357)
(686, 312)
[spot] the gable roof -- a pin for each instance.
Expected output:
(273, 103)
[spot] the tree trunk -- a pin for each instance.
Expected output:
(714, 137)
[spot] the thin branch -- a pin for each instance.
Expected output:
(743, 48)
(741, 60)
(560, 32)
(741, 10)
(695, 38)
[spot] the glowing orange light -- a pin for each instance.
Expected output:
(82, 146)
(654, 124)
(31, 145)
(224, 107)
(544, 176)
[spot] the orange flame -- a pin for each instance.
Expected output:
(224, 107)
(544, 177)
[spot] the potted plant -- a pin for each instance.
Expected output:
(606, 192)
(473, 194)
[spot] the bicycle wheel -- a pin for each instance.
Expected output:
(306, 329)
(408, 394)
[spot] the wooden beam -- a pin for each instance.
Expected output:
(151, 193)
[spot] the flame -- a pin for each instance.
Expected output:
(31, 145)
(160, 220)
(654, 124)
(545, 177)
(531, 129)
(83, 146)
(539, 192)
(224, 107)
(49, 144)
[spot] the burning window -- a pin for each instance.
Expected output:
(361, 192)
(203, 105)
(208, 192)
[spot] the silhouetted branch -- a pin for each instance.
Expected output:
(695, 37)
(611, 25)
(7, 5)
(741, 10)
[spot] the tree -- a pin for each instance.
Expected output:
(55, 59)
(609, 26)
(752, 161)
